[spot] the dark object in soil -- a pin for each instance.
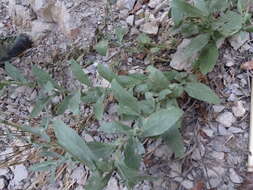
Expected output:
(11, 47)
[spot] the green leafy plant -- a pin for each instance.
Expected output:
(206, 23)
(148, 102)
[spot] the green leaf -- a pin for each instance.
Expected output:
(74, 102)
(120, 33)
(208, 58)
(188, 9)
(48, 87)
(79, 74)
(174, 140)
(39, 131)
(124, 97)
(105, 72)
(40, 105)
(97, 182)
(114, 127)
(129, 81)
(196, 44)
(101, 150)
(41, 76)
(144, 39)
(132, 159)
(217, 5)
(228, 24)
(63, 106)
(130, 176)
(102, 47)
(92, 95)
(249, 28)
(14, 73)
(147, 106)
(176, 14)
(201, 5)
(161, 121)
(157, 79)
(43, 166)
(201, 92)
(73, 143)
(99, 108)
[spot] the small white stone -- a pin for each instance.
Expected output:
(4, 171)
(20, 172)
(78, 175)
(230, 63)
(239, 39)
(112, 184)
(130, 20)
(139, 22)
(235, 130)
(218, 155)
(153, 3)
(2, 183)
(208, 132)
(226, 119)
(179, 61)
(218, 108)
(1, 25)
(187, 184)
(149, 28)
(129, 4)
(238, 109)
(235, 178)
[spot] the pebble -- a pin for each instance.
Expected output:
(218, 108)
(230, 63)
(208, 132)
(153, 3)
(20, 172)
(78, 175)
(235, 130)
(130, 20)
(226, 119)
(223, 131)
(2, 183)
(139, 22)
(112, 184)
(218, 155)
(149, 28)
(129, 4)
(239, 39)
(235, 178)
(187, 184)
(238, 109)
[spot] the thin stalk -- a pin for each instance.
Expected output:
(250, 157)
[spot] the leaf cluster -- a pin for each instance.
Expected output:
(147, 101)
(206, 23)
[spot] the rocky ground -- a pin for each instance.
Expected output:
(215, 137)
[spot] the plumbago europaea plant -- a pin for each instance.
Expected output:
(208, 22)
(147, 101)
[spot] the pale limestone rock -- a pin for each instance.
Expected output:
(239, 39)
(226, 119)
(130, 20)
(153, 3)
(128, 4)
(239, 109)
(149, 28)
(179, 61)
